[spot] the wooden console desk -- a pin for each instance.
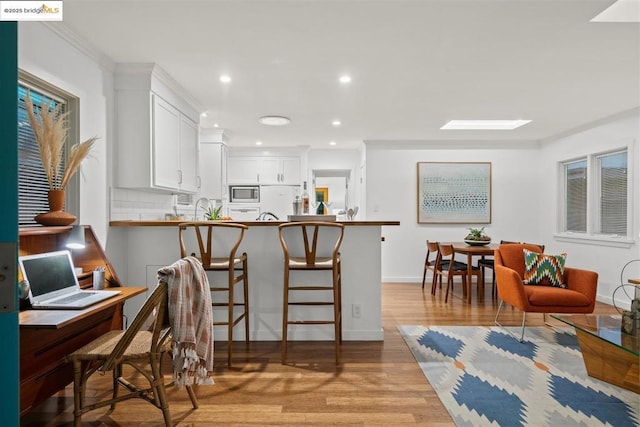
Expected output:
(48, 336)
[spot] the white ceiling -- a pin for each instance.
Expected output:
(415, 64)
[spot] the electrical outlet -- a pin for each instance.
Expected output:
(356, 310)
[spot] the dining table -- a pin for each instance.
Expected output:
(470, 251)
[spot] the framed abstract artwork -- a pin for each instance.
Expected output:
(456, 193)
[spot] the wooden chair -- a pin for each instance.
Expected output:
(135, 347)
(432, 248)
(436, 266)
(217, 247)
(312, 246)
(578, 297)
(455, 268)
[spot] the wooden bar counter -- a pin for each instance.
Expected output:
(139, 248)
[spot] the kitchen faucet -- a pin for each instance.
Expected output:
(195, 212)
(263, 216)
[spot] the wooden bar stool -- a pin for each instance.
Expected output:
(219, 253)
(312, 246)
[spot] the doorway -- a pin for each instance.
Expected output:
(332, 185)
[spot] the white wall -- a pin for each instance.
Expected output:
(608, 261)
(524, 198)
(46, 55)
(391, 194)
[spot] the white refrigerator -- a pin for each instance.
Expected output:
(278, 199)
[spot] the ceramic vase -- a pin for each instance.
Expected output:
(56, 214)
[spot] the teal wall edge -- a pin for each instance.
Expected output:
(9, 331)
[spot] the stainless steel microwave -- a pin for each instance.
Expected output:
(244, 194)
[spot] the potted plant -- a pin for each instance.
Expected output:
(477, 236)
(213, 213)
(51, 129)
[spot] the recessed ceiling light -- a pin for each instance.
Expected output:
(345, 79)
(215, 125)
(204, 114)
(225, 78)
(332, 143)
(274, 120)
(484, 124)
(258, 142)
(336, 122)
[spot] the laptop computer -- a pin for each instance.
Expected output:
(54, 284)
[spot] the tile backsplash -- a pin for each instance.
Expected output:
(130, 204)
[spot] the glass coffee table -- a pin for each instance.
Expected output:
(609, 354)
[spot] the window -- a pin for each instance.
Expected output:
(612, 182)
(32, 180)
(576, 191)
(596, 195)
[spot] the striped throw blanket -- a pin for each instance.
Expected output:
(191, 321)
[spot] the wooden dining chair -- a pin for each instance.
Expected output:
(455, 268)
(431, 264)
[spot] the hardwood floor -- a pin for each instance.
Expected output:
(378, 383)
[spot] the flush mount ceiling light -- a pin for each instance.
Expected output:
(274, 120)
(484, 124)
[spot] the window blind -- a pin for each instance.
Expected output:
(576, 196)
(612, 170)
(32, 179)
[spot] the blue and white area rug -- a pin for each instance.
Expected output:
(485, 377)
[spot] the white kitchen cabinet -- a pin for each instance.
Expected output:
(290, 171)
(269, 169)
(189, 168)
(265, 170)
(244, 170)
(157, 133)
(279, 170)
(213, 170)
(166, 148)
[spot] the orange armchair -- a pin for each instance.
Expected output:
(578, 297)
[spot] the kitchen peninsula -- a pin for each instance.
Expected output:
(139, 248)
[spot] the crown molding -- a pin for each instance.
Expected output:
(92, 52)
(451, 144)
(596, 123)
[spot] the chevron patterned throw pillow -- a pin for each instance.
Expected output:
(545, 270)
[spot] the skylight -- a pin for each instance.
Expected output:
(484, 124)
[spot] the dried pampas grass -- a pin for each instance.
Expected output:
(51, 129)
